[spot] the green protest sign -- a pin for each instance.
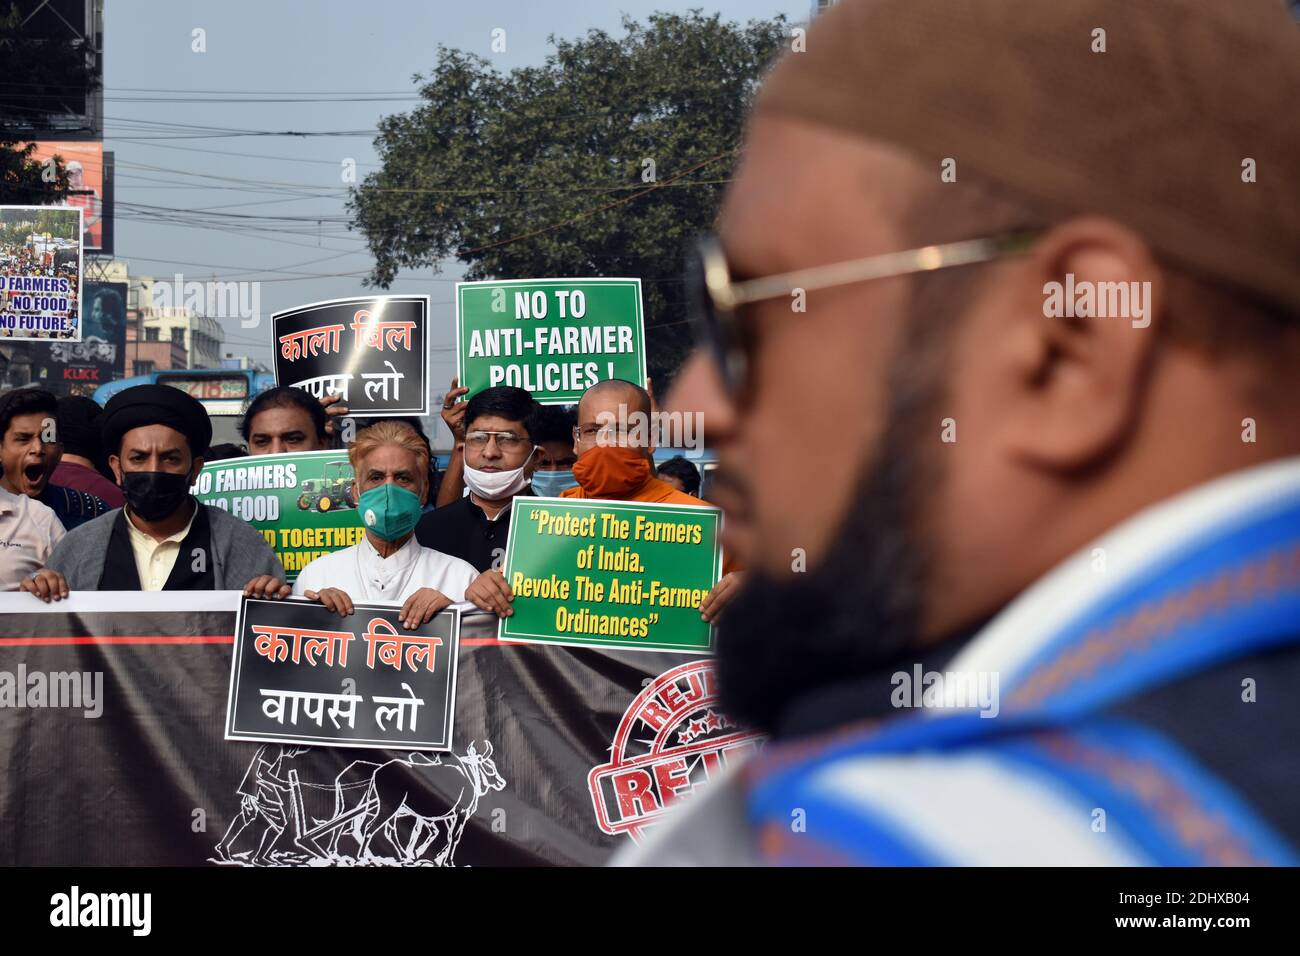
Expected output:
(301, 502)
(553, 337)
(593, 573)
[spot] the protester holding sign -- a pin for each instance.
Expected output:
(413, 423)
(388, 565)
(162, 539)
(612, 466)
(500, 455)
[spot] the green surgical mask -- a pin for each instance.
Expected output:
(389, 510)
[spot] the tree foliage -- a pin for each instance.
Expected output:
(25, 181)
(543, 171)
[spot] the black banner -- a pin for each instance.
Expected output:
(558, 756)
(372, 682)
(373, 351)
(78, 368)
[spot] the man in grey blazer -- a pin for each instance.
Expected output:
(163, 538)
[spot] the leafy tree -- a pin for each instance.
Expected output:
(27, 182)
(544, 172)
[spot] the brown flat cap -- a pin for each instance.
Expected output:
(1152, 132)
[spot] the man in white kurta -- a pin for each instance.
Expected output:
(388, 565)
(366, 576)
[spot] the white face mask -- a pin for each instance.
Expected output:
(493, 485)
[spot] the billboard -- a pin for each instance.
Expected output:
(40, 273)
(78, 368)
(90, 187)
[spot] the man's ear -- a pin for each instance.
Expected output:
(115, 465)
(195, 467)
(1075, 343)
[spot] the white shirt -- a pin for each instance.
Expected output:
(364, 576)
(29, 531)
(155, 559)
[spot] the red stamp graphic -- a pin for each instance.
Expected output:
(671, 741)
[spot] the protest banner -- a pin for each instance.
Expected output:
(552, 337)
(294, 655)
(78, 368)
(594, 573)
(373, 350)
(301, 502)
(40, 273)
(559, 755)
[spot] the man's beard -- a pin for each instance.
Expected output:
(860, 607)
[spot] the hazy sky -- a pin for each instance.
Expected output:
(160, 96)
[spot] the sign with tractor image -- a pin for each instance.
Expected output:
(330, 493)
(301, 502)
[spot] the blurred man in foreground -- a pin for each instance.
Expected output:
(1051, 612)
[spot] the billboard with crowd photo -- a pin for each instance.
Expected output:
(40, 273)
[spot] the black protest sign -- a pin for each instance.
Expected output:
(302, 674)
(373, 351)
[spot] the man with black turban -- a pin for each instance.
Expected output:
(163, 539)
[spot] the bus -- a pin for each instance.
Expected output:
(224, 392)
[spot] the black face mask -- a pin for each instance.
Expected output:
(153, 495)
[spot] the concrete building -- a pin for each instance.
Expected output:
(201, 336)
(176, 335)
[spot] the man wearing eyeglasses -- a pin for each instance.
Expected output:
(1015, 305)
(615, 454)
(500, 456)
